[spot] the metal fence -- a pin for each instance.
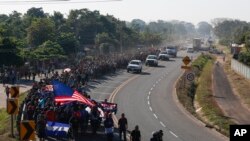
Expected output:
(240, 68)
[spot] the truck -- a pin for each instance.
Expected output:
(196, 44)
(172, 50)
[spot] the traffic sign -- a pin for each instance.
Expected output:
(186, 67)
(186, 60)
(190, 76)
(14, 91)
(12, 106)
(27, 130)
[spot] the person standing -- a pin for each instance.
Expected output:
(135, 134)
(7, 91)
(109, 125)
(123, 125)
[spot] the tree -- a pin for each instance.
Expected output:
(9, 52)
(36, 13)
(138, 25)
(48, 50)
(40, 31)
(68, 42)
(204, 29)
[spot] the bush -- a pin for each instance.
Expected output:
(244, 57)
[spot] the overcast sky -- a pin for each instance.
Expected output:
(148, 10)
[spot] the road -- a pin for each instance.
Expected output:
(148, 101)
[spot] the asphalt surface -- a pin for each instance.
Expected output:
(148, 101)
(226, 99)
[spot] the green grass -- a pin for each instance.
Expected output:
(4, 121)
(201, 92)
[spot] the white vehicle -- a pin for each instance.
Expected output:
(135, 66)
(190, 50)
(151, 60)
(164, 56)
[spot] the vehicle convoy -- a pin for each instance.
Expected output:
(172, 51)
(135, 66)
(163, 56)
(151, 60)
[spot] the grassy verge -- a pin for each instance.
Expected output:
(211, 113)
(200, 91)
(5, 124)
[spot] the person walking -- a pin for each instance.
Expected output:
(123, 125)
(109, 125)
(135, 134)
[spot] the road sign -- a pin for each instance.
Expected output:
(186, 60)
(27, 130)
(14, 91)
(186, 67)
(12, 106)
(190, 76)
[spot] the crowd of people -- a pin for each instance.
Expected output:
(41, 107)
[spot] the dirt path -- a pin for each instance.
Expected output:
(230, 104)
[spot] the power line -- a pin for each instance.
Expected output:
(53, 1)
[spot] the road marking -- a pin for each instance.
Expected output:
(151, 88)
(163, 124)
(149, 93)
(154, 85)
(148, 103)
(156, 82)
(148, 97)
(155, 116)
(150, 109)
(96, 92)
(173, 134)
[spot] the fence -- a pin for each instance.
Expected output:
(240, 68)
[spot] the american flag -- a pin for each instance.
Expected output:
(75, 97)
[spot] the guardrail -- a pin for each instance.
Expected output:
(240, 68)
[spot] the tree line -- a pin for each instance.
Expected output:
(37, 35)
(231, 31)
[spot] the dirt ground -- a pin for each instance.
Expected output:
(239, 84)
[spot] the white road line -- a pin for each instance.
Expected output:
(155, 116)
(100, 93)
(148, 97)
(149, 92)
(163, 124)
(105, 86)
(173, 134)
(151, 88)
(150, 109)
(148, 103)
(154, 85)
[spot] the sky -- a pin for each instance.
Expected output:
(192, 11)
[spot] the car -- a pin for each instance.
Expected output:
(163, 56)
(151, 60)
(135, 66)
(190, 50)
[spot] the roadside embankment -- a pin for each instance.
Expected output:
(197, 96)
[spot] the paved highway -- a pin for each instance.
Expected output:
(147, 100)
